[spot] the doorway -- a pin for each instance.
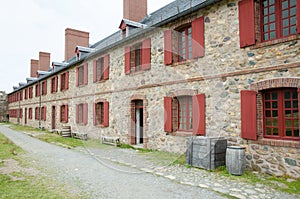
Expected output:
(53, 121)
(137, 134)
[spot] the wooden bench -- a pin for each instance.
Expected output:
(79, 135)
(115, 141)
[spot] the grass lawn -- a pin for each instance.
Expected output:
(24, 185)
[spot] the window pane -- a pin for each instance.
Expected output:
(274, 113)
(292, 3)
(272, 2)
(272, 26)
(285, 23)
(287, 95)
(296, 133)
(293, 11)
(295, 94)
(274, 96)
(296, 123)
(267, 96)
(295, 113)
(272, 9)
(275, 131)
(268, 113)
(288, 132)
(287, 104)
(268, 122)
(272, 18)
(274, 105)
(266, 20)
(285, 4)
(285, 14)
(266, 37)
(275, 122)
(265, 11)
(293, 30)
(268, 105)
(295, 104)
(288, 123)
(266, 28)
(288, 113)
(293, 20)
(268, 131)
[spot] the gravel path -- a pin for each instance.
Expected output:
(83, 174)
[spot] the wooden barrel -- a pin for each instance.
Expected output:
(235, 160)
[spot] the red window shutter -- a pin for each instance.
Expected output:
(45, 113)
(95, 71)
(246, 23)
(77, 76)
(77, 113)
(94, 113)
(85, 78)
(67, 80)
(45, 88)
(106, 67)
(60, 113)
(298, 16)
(85, 114)
(106, 114)
(198, 37)
(248, 115)
(168, 51)
(199, 124)
(146, 54)
(168, 114)
(66, 113)
(127, 60)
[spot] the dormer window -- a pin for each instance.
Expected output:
(80, 51)
(128, 26)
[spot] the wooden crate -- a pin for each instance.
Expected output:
(206, 152)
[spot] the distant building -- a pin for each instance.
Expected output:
(3, 106)
(192, 68)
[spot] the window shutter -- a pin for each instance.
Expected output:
(85, 75)
(168, 52)
(198, 37)
(246, 23)
(248, 115)
(77, 114)
(146, 54)
(298, 16)
(45, 113)
(199, 124)
(66, 113)
(94, 113)
(106, 114)
(127, 60)
(168, 114)
(85, 114)
(77, 77)
(106, 67)
(67, 80)
(95, 71)
(175, 109)
(45, 88)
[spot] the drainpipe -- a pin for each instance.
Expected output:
(19, 97)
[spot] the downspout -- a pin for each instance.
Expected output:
(19, 97)
(40, 104)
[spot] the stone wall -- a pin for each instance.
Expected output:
(221, 74)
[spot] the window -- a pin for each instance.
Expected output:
(30, 113)
(82, 75)
(26, 93)
(54, 84)
(64, 81)
(37, 113)
(30, 92)
(82, 113)
(101, 69)
(276, 18)
(44, 87)
(138, 57)
(281, 113)
(101, 114)
(37, 90)
(43, 113)
(64, 113)
(185, 42)
(185, 113)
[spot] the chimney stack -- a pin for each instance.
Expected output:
(44, 61)
(34, 66)
(134, 10)
(74, 38)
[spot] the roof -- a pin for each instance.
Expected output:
(158, 18)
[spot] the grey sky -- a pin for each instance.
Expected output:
(31, 26)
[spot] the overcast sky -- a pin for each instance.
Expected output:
(31, 26)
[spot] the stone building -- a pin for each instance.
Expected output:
(3, 106)
(223, 68)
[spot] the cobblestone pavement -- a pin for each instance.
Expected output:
(187, 176)
(132, 174)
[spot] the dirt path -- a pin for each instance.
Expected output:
(83, 175)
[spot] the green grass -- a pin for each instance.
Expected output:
(18, 127)
(278, 183)
(31, 186)
(54, 138)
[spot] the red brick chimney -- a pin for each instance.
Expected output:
(74, 38)
(134, 10)
(34, 66)
(44, 61)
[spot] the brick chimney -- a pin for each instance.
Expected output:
(44, 61)
(134, 10)
(34, 66)
(74, 38)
